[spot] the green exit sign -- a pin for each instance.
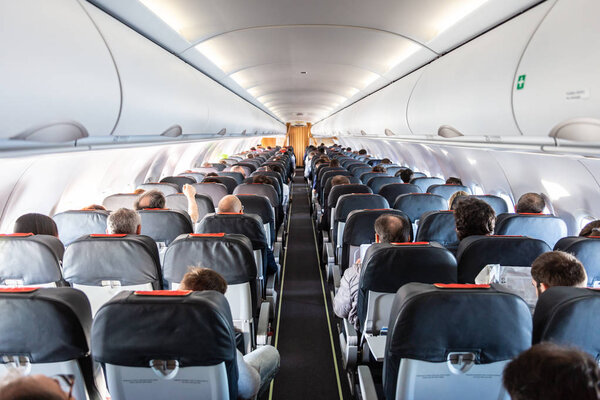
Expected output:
(521, 82)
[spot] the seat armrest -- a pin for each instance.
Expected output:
(262, 327)
(366, 384)
(279, 237)
(277, 254)
(351, 334)
(336, 276)
(330, 253)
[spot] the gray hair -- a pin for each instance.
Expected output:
(123, 221)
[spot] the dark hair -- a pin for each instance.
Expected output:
(261, 179)
(392, 229)
(211, 174)
(591, 229)
(386, 161)
(29, 388)
(473, 217)
(453, 181)
(339, 180)
(362, 152)
(211, 179)
(531, 203)
(154, 198)
(551, 372)
(378, 168)
(334, 163)
(557, 268)
(38, 224)
(250, 155)
(405, 174)
(198, 279)
(348, 148)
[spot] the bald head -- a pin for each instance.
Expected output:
(230, 204)
(239, 169)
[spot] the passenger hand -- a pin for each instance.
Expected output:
(189, 190)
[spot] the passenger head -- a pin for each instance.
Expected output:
(199, 279)
(362, 152)
(386, 161)
(250, 155)
(211, 174)
(453, 181)
(551, 372)
(150, 199)
(261, 179)
(390, 228)
(405, 174)
(238, 168)
(210, 179)
(138, 191)
(38, 224)
(124, 221)
(339, 180)
(32, 387)
(591, 229)
(230, 204)
(474, 217)
(378, 168)
(334, 163)
(455, 198)
(531, 203)
(557, 268)
(94, 207)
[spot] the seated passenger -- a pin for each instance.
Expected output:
(386, 161)
(93, 207)
(550, 372)
(38, 224)
(240, 169)
(405, 174)
(261, 179)
(257, 368)
(139, 191)
(378, 168)
(362, 152)
(455, 198)
(124, 222)
(453, 181)
(211, 174)
(336, 180)
(557, 268)
(474, 217)
(389, 228)
(591, 229)
(155, 199)
(531, 203)
(39, 387)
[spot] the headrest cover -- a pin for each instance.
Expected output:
(34, 259)
(358, 201)
(165, 225)
(248, 225)
(76, 223)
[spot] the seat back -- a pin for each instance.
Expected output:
(251, 167)
(272, 182)
(416, 204)
(163, 226)
(180, 202)
(259, 189)
(389, 266)
(218, 166)
(475, 252)
(568, 316)
(216, 191)
(359, 171)
(248, 225)
(103, 265)
(179, 181)
(393, 169)
(272, 174)
(540, 226)
(75, 223)
(47, 331)
(120, 200)
(350, 202)
(321, 171)
(391, 191)
(438, 226)
(340, 190)
(360, 229)
(328, 186)
(239, 178)
(460, 349)
(370, 175)
(496, 202)
(229, 182)
(188, 346)
(261, 206)
(423, 182)
(166, 188)
(586, 249)
(196, 176)
(446, 191)
(30, 260)
(377, 182)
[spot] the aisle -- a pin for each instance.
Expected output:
(308, 370)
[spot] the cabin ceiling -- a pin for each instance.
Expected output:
(301, 61)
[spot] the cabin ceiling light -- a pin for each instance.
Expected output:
(577, 129)
(56, 132)
(173, 131)
(446, 131)
(408, 50)
(215, 55)
(168, 12)
(459, 11)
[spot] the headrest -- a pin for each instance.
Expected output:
(357, 201)
(120, 200)
(262, 190)
(416, 204)
(251, 166)
(370, 175)
(377, 182)
(568, 316)
(540, 226)
(475, 252)
(47, 324)
(235, 175)
(586, 249)
(165, 225)
(196, 176)
(358, 171)
(391, 191)
(248, 225)
(33, 259)
(75, 223)
(425, 181)
(216, 191)
(179, 181)
(496, 202)
(334, 172)
(446, 191)
(228, 254)
(165, 188)
(440, 227)
(259, 205)
(129, 259)
(360, 225)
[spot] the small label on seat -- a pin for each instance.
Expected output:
(409, 243)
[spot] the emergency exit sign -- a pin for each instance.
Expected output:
(521, 82)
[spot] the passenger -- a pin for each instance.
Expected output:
(389, 228)
(348, 148)
(211, 179)
(261, 179)
(257, 368)
(240, 169)
(250, 155)
(94, 207)
(455, 198)
(38, 224)
(557, 268)
(362, 152)
(474, 217)
(340, 180)
(531, 203)
(33, 387)
(206, 165)
(386, 161)
(591, 229)
(334, 163)
(155, 199)
(378, 168)
(211, 174)
(124, 222)
(405, 174)
(138, 191)
(336, 180)
(453, 181)
(550, 372)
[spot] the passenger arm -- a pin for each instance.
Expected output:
(190, 193)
